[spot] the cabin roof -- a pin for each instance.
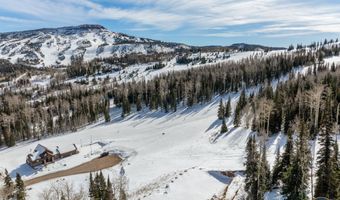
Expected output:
(40, 149)
(62, 148)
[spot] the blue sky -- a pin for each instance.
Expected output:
(195, 22)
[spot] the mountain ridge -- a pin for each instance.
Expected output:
(59, 46)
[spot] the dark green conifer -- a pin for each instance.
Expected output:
(20, 188)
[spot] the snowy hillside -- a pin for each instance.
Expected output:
(168, 156)
(166, 153)
(58, 46)
(182, 158)
(47, 47)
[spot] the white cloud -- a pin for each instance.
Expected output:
(227, 34)
(267, 17)
(15, 20)
(51, 12)
(150, 17)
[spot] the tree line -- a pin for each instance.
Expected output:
(63, 107)
(306, 107)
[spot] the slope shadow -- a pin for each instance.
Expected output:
(218, 135)
(157, 114)
(220, 177)
(230, 131)
(213, 125)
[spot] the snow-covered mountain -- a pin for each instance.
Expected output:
(57, 46)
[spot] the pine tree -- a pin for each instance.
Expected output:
(252, 170)
(139, 103)
(288, 152)
(326, 173)
(1, 142)
(8, 186)
(221, 111)
(337, 169)
(283, 162)
(224, 127)
(7, 180)
(102, 185)
(92, 191)
(122, 195)
(295, 181)
(107, 115)
(283, 120)
(277, 169)
(242, 101)
(228, 108)
(107, 111)
(109, 190)
(20, 188)
(126, 107)
(237, 117)
(11, 140)
(264, 174)
(97, 192)
(173, 101)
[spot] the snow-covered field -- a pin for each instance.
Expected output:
(168, 156)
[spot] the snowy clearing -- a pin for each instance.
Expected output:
(183, 155)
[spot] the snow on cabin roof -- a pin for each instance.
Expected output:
(40, 149)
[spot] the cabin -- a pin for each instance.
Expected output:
(43, 155)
